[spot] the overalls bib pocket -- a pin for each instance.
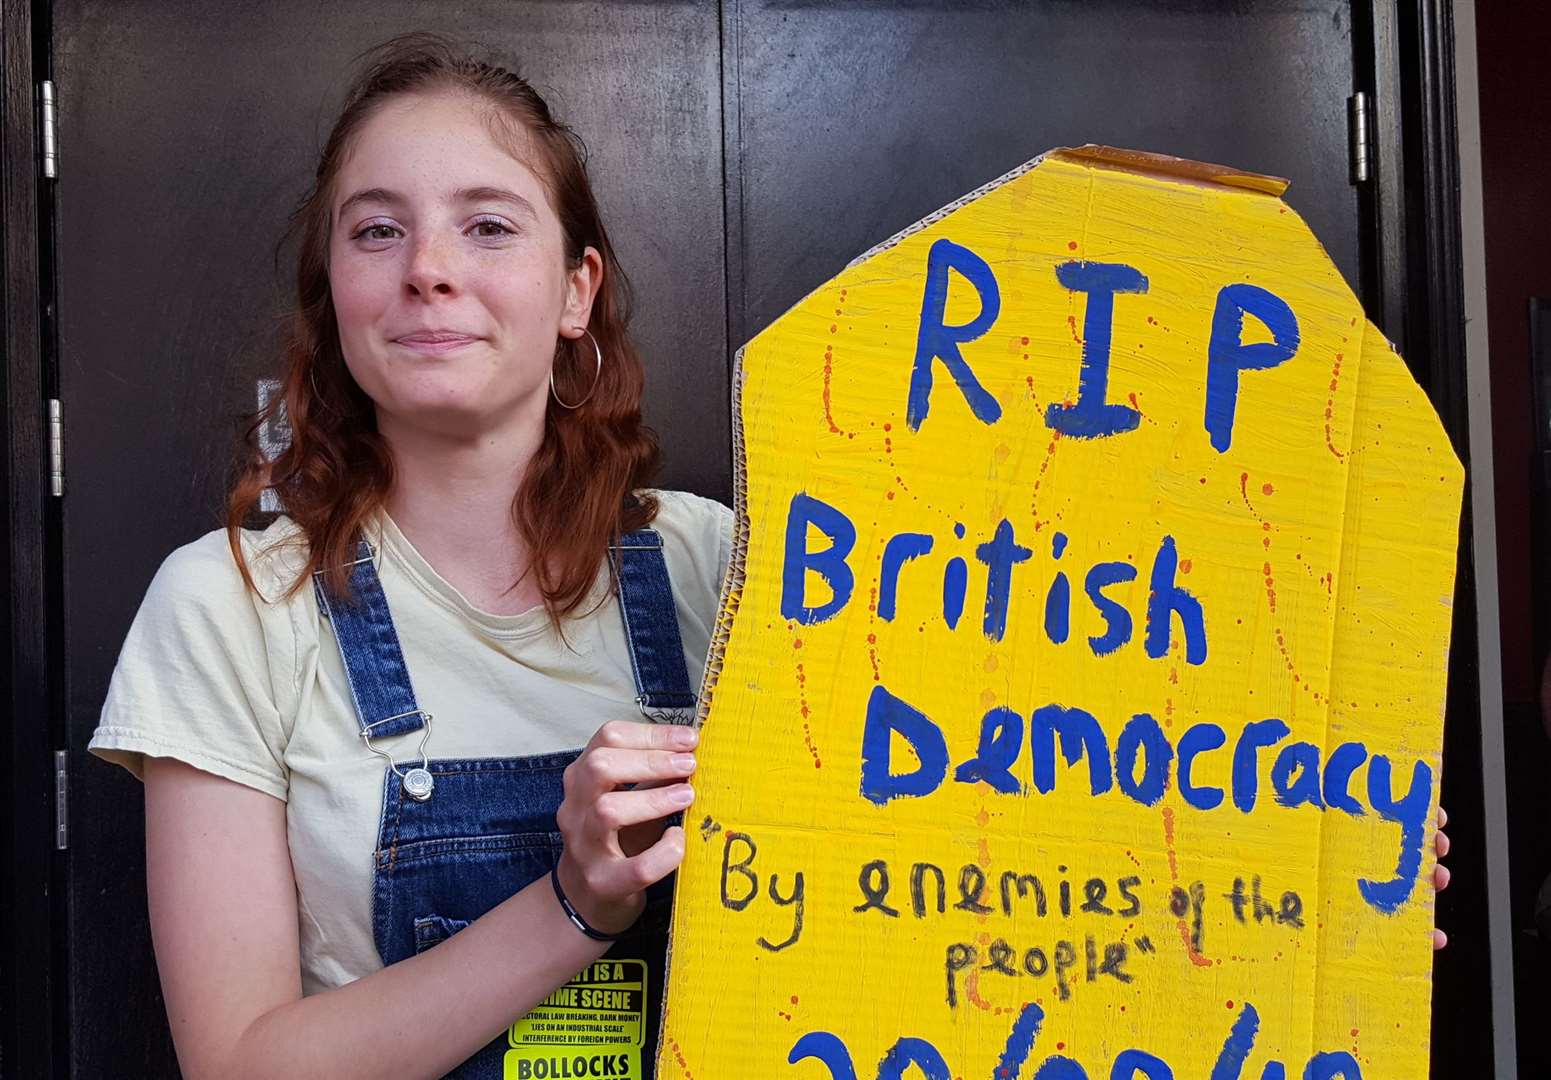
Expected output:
(488, 831)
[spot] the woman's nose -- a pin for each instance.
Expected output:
(430, 269)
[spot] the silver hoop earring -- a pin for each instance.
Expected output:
(597, 375)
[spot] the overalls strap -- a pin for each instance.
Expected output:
(374, 663)
(652, 627)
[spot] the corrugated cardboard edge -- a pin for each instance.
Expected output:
(732, 585)
(732, 595)
(1143, 162)
(1092, 154)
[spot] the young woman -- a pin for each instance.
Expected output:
(371, 841)
(470, 575)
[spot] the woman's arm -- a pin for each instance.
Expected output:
(224, 923)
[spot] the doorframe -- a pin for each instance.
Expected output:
(1483, 511)
(31, 897)
(1415, 289)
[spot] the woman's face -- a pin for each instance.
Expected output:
(448, 273)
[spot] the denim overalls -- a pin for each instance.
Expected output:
(458, 837)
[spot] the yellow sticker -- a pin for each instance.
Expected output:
(593, 1026)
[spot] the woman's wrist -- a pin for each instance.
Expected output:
(598, 919)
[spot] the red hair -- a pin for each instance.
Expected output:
(336, 472)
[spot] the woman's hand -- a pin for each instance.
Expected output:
(1441, 872)
(630, 777)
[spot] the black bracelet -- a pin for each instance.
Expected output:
(576, 916)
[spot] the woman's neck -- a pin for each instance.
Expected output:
(452, 499)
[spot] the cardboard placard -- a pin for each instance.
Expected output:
(1077, 704)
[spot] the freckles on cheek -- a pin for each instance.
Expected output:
(357, 292)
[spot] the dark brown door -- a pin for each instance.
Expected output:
(744, 152)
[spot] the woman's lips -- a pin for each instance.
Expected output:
(436, 344)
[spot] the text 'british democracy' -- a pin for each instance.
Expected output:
(1140, 762)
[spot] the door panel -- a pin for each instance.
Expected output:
(191, 137)
(857, 119)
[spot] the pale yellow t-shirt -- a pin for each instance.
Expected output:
(254, 690)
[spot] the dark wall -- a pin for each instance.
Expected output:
(1513, 41)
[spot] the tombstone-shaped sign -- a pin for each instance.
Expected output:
(1078, 697)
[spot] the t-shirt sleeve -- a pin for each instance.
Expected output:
(195, 678)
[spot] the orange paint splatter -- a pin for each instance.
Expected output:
(1270, 582)
(1330, 407)
(1244, 494)
(1184, 929)
(678, 1055)
(802, 704)
(1044, 465)
(1281, 637)
(807, 740)
(829, 415)
(972, 981)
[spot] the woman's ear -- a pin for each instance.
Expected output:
(582, 284)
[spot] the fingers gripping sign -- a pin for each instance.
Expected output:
(630, 777)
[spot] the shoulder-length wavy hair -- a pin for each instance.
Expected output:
(576, 496)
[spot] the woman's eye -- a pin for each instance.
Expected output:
(489, 227)
(378, 231)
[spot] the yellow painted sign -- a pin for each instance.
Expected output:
(1080, 685)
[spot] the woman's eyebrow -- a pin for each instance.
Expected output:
(370, 195)
(467, 195)
(495, 194)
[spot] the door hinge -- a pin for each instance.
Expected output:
(56, 448)
(61, 800)
(50, 131)
(1359, 115)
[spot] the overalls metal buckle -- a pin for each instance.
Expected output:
(418, 783)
